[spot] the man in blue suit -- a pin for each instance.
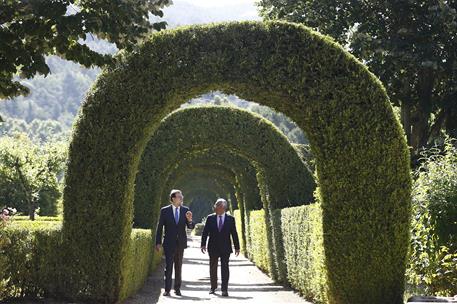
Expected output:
(174, 218)
(219, 227)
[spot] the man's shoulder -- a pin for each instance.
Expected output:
(165, 207)
(185, 207)
(211, 215)
(230, 216)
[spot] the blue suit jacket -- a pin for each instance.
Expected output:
(175, 234)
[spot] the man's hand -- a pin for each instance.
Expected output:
(189, 216)
(237, 252)
(158, 246)
(203, 249)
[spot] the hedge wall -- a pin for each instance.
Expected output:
(361, 155)
(304, 251)
(32, 265)
(29, 259)
(257, 248)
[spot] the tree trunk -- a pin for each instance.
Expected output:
(405, 116)
(27, 192)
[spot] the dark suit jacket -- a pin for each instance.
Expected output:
(173, 232)
(219, 242)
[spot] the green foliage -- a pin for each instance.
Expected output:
(361, 156)
(33, 264)
(191, 130)
(281, 121)
(415, 60)
(433, 260)
(239, 170)
(141, 259)
(258, 249)
(31, 30)
(241, 229)
(30, 260)
(304, 251)
(30, 173)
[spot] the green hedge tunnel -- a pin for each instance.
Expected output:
(198, 128)
(359, 147)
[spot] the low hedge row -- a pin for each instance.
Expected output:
(302, 241)
(29, 261)
(141, 260)
(257, 248)
(31, 264)
(301, 251)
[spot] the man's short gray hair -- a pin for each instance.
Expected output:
(221, 201)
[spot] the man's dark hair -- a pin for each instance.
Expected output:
(173, 193)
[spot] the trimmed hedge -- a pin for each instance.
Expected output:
(193, 129)
(241, 229)
(141, 261)
(33, 267)
(244, 171)
(257, 248)
(304, 251)
(360, 152)
(30, 259)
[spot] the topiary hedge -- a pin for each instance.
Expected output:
(243, 169)
(304, 251)
(257, 247)
(193, 129)
(360, 152)
(33, 267)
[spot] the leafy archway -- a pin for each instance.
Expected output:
(189, 130)
(361, 156)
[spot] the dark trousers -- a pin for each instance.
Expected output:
(213, 261)
(173, 258)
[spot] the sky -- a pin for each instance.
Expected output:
(186, 12)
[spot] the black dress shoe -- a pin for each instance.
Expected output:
(178, 292)
(225, 294)
(212, 291)
(166, 293)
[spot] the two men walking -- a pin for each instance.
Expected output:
(219, 227)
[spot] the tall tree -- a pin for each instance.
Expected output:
(30, 30)
(410, 45)
(28, 170)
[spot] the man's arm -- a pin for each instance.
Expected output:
(236, 241)
(159, 229)
(205, 236)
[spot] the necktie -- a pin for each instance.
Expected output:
(220, 223)
(176, 215)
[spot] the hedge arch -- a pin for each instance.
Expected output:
(360, 150)
(248, 196)
(197, 128)
(200, 201)
(241, 167)
(281, 174)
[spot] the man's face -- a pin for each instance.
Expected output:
(219, 209)
(177, 200)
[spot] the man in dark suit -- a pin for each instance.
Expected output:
(219, 227)
(174, 218)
